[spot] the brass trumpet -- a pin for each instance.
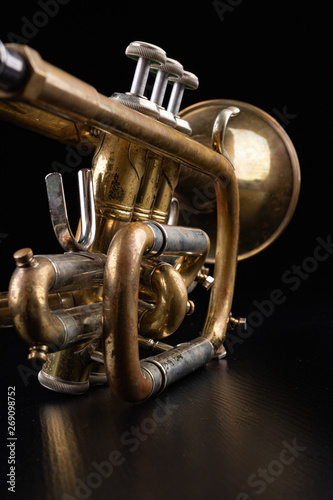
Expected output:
(168, 191)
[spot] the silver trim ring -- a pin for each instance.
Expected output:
(163, 373)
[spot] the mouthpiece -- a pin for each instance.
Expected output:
(12, 69)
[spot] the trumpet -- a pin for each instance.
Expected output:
(169, 192)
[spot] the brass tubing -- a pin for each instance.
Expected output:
(76, 270)
(29, 307)
(171, 302)
(167, 185)
(225, 264)
(48, 124)
(167, 367)
(147, 192)
(50, 88)
(65, 372)
(54, 90)
(81, 323)
(188, 246)
(118, 167)
(62, 300)
(188, 266)
(120, 314)
(28, 296)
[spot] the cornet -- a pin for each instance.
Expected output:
(168, 192)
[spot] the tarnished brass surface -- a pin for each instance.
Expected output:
(120, 315)
(48, 124)
(171, 300)
(135, 171)
(149, 187)
(189, 266)
(67, 366)
(166, 188)
(30, 310)
(118, 168)
(54, 90)
(267, 171)
(29, 299)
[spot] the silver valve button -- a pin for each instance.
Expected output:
(187, 81)
(170, 70)
(145, 54)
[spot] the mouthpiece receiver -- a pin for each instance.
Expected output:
(13, 69)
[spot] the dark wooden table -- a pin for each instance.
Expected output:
(257, 424)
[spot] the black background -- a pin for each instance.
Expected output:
(233, 417)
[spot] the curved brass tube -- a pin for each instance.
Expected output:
(171, 303)
(220, 303)
(30, 310)
(188, 266)
(120, 312)
(30, 303)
